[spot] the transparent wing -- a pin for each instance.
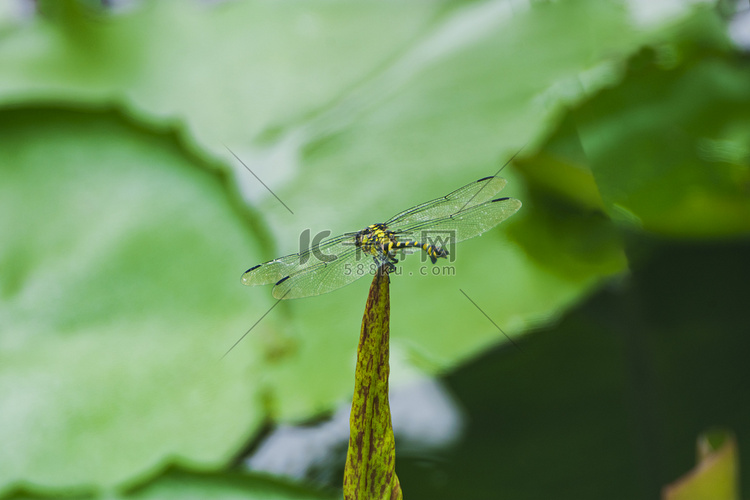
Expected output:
(325, 276)
(273, 270)
(463, 198)
(465, 213)
(464, 224)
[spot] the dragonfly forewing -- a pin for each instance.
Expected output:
(461, 199)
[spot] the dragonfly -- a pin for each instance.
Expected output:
(465, 213)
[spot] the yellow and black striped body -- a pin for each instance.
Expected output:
(380, 242)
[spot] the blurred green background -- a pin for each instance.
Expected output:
(126, 224)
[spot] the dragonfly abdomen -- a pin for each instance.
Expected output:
(434, 252)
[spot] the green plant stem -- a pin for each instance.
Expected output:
(370, 471)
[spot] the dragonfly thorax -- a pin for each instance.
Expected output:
(375, 240)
